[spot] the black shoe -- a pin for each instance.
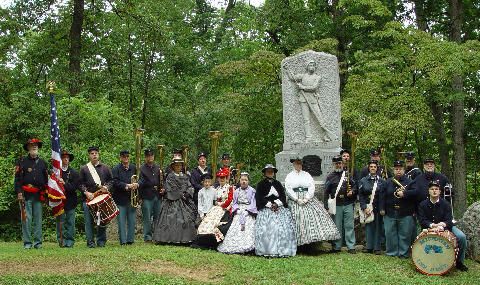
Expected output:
(129, 242)
(378, 252)
(91, 244)
(352, 251)
(367, 250)
(460, 266)
(101, 244)
(333, 250)
(403, 257)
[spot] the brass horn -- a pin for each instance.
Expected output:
(134, 197)
(215, 137)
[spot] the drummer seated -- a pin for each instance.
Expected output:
(435, 213)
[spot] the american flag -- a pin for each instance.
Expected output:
(56, 191)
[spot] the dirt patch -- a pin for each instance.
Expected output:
(162, 267)
(45, 266)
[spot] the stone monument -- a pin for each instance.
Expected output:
(470, 225)
(311, 114)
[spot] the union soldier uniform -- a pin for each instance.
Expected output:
(88, 184)
(381, 171)
(31, 178)
(122, 176)
(149, 185)
(344, 217)
(432, 213)
(411, 171)
(195, 177)
(374, 229)
(67, 220)
(398, 219)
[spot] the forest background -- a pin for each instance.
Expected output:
(409, 75)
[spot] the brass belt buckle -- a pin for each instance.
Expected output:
(341, 196)
(396, 207)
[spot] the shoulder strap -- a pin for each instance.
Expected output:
(340, 184)
(94, 174)
(373, 191)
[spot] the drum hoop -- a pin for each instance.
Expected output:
(455, 253)
(101, 198)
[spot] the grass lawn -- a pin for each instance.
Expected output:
(151, 264)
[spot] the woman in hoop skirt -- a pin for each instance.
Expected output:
(176, 221)
(274, 227)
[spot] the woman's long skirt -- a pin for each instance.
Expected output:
(236, 240)
(275, 233)
(213, 228)
(312, 222)
(176, 222)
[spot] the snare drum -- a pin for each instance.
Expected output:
(103, 209)
(434, 252)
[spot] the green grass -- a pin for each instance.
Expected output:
(151, 264)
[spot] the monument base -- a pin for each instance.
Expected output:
(318, 162)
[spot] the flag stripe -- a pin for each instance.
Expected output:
(56, 191)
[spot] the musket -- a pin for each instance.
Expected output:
(23, 211)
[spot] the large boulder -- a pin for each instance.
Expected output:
(470, 225)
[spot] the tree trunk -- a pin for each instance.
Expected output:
(420, 15)
(147, 75)
(441, 137)
(226, 19)
(76, 47)
(337, 18)
(458, 116)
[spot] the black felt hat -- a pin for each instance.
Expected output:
(33, 141)
(70, 155)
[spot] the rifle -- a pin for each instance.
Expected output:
(23, 211)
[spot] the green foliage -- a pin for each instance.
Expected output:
(146, 263)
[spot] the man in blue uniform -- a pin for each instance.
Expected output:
(122, 191)
(66, 221)
(435, 213)
(94, 176)
(345, 193)
(150, 184)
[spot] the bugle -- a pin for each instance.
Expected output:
(400, 188)
(161, 156)
(215, 137)
(134, 197)
(185, 158)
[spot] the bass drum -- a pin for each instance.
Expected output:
(434, 252)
